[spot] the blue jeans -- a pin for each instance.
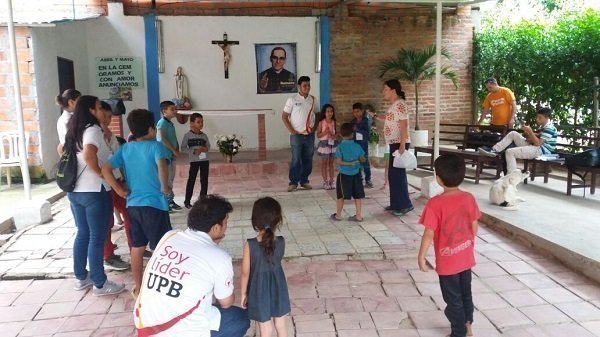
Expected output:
(399, 198)
(456, 290)
(92, 212)
(366, 166)
(171, 178)
(234, 322)
(303, 148)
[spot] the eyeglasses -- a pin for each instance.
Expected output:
(280, 58)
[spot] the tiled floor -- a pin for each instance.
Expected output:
(345, 279)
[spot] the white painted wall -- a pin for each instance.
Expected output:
(187, 42)
(67, 40)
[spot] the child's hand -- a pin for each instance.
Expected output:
(244, 301)
(384, 185)
(122, 190)
(423, 264)
(166, 191)
(197, 151)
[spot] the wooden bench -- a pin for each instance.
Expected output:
(454, 140)
(571, 140)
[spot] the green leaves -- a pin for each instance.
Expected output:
(416, 66)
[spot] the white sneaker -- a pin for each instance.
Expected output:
(82, 284)
(109, 288)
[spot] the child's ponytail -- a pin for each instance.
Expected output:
(266, 217)
(268, 240)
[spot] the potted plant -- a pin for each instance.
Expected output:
(229, 146)
(416, 66)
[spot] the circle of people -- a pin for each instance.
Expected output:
(187, 284)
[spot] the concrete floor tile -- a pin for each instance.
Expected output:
(330, 277)
(580, 311)
(42, 327)
(391, 320)
(593, 327)
(353, 321)
(304, 279)
(94, 305)
(522, 298)
(525, 331)
(362, 277)
(517, 267)
(429, 320)
(588, 292)
(7, 299)
(500, 256)
(317, 334)
(400, 276)
(557, 295)
(537, 281)
(37, 298)
(545, 314)
(305, 306)
(56, 310)
(14, 286)
(479, 287)
(369, 289)
(358, 333)
(331, 291)
(82, 323)
(381, 303)
(75, 334)
(488, 270)
(122, 319)
(570, 278)
(400, 289)
(419, 276)
(18, 313)
(302, 291)
(487, 301)
(12, 329)
(506, 317)
(343, 304)
(314, 323)
(503, 283)
(569, 329)
(424, 303)
(429, 289)
(350, 266)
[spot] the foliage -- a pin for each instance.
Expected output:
(416, 66)
(228, 144)
(545, 62)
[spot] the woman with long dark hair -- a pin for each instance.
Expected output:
(91, 202)
(67, 101)
(395, 131)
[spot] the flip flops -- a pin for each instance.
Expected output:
(334, 218)
(355, 219)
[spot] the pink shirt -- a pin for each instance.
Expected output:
(324, 125)
(391, 130)
(450, 217)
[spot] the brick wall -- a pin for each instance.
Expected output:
(8, 117)
(360, 43)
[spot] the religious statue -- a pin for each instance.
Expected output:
(225, 45)
(182, 100)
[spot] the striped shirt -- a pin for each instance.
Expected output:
(548, 134)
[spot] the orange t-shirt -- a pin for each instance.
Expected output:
(500, 102)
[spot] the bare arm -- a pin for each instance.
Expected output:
(163, 176)
(532, 138)
(484, 113)
(59, 149)
(165, 141)
(513, 114)
(362, 159)
(227, 301)
(90, 157)
(339, 161)
(286, 121)
(475, 227)
(245, 275)
(320, 132)
(425, 243)
(107, 173)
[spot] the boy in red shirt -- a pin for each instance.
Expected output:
(450, 221)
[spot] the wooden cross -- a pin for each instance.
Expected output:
(224, 44)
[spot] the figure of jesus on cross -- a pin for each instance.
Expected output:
(225, 45)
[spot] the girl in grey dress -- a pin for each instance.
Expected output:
(264, 288)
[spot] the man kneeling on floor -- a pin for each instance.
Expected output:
(530, 145)
(185, 271)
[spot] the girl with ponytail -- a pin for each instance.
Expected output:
(264, 288)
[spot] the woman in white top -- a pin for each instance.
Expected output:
(91, 201)
(395, 131)
(66, 101)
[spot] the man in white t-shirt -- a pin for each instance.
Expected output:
(187, 272)
(299, 118)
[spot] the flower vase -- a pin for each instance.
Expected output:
(228, 158)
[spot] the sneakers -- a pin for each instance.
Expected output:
(109, 288)
(369, 184)
(306, 186)
(82, 284)
(187, 205)
(292, 188)
(326, 185)
(490, 152)
(403, 211)
(115, 263)
(174, 206)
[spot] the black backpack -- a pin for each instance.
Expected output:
(66, 175)
(587, 158)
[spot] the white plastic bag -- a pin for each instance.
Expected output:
(406, 160)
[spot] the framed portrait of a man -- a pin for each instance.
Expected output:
(275, 68)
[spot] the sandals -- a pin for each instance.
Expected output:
(355, 219)
(334, 217)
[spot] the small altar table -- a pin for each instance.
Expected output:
(260, 113)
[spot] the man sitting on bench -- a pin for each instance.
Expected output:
(530, 145)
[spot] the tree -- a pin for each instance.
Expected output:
(416, 66)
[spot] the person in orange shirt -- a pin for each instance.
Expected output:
(500, 102)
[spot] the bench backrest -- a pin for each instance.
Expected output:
(458, 134)
(575, 138)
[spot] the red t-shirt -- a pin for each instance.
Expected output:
(450, 217)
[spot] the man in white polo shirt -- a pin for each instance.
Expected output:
(185, 272)
(299, 118)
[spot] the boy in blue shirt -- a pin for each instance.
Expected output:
(165, 134)
(145, 164)
(349, 156)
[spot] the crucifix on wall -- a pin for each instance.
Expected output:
(225, 44)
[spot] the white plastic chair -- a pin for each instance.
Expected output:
(9, 151)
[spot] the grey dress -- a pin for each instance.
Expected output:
(267, 288)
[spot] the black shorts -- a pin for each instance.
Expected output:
(147, 225)
(349, 187)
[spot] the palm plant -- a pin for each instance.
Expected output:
(416, 66)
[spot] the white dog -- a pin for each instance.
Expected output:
(504, 190)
